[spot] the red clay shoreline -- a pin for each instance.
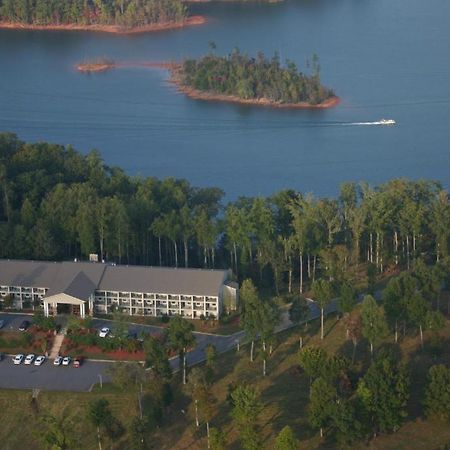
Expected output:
(115, 29)
(196, 94)
(211, 96)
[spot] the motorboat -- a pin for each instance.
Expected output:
(387, 122)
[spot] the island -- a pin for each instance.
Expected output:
(240, 78)
(125, 16)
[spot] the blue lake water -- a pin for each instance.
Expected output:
(384, 58)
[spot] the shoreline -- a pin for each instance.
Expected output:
(114, 29)
(210, 96)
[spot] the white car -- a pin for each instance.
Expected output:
(66, 361)
(18, 359)
(58, 361)
(29, 359)
(103, 332)
(39, 360)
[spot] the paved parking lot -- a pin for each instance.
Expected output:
(51, 378)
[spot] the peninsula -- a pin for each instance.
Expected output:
(124, 17)
(240, 78)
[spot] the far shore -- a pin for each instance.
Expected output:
(115, 29)
(196, 94)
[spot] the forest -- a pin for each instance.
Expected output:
(59, 204)
(126, 13)
(245, 77)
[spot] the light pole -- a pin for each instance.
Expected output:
(101, 380)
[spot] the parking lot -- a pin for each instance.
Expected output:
(50, 377)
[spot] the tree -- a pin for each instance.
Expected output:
(322, 404)
(299, 310)
(374, 326)
(416, 308)
(250, 311)
(437, 394)
(323, 294)
(211, 362)
(139, 433)
(286, 440)
(156, 358)
(125, 375)
(354, 327)
(312, 361)
(100, 416)
(196, 385)
(347, 300)
(245, 411)
(268, 319)
(180, 338)
(55, 433)
(217, 439)
(384, 392)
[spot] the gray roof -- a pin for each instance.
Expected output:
(80, 279)
(163, 280)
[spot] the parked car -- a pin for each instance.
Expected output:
(104, 332)
(24, 325)
(66, 361)
(29, 359)
(58, 360)
(2, 323)
(78, 361)
(18, 359)
(2, 356)
(39, 360)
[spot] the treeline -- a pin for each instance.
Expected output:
(58, 204)
(129, 13)
(255, 78)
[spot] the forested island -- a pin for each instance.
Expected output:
(241, 78)
(123, 16)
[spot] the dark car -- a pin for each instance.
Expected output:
(24, 325)
(2, 356)
(78, 361)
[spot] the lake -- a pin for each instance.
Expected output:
(384, 58)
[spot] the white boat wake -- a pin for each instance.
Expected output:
(378, 122)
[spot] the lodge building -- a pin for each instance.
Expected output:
(82, 288)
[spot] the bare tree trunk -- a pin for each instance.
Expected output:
(314, 268)
(184, 366)
(321, 323)
(176, 252)
(99, 439)
(371, 349)
(207, 434)
(421, 335)
(197, 423)
(186, 254)
(290, 276)
(396, 247)
(407, 251)
(213, 256)
(371, 247)
(396, 332)
(309, 266)
(235, 258)
(251, 350)
(354, 350)
(301, 273)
